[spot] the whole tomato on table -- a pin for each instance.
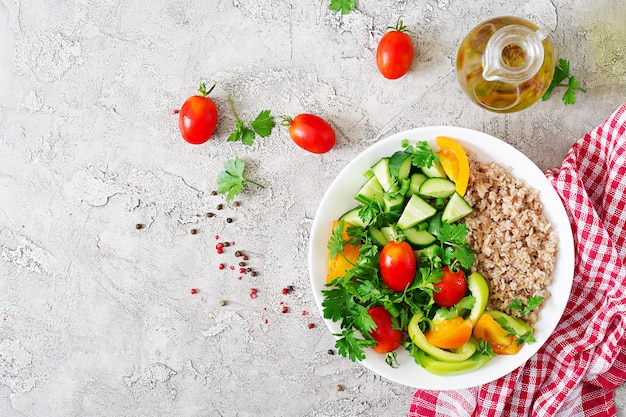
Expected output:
(394, 54)
(397, 265)
(311, 132)
(198, 117)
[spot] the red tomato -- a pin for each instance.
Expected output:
(387, 338)
(452, 288)
(395, 53)
(397, 265)
(311, 132)
(198, 117)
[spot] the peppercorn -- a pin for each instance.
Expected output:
(253, 274)
(226, 244)
(245, 257)
(242, 264)
(238, 253)
(229, 220)
(213, 192)
(138, 226)
(330, 352)
(220, 206)
(339, 387)
(236, 203)
(209, 214)
(223, 302)
(193, 231)
(193, 291)
(311, 325)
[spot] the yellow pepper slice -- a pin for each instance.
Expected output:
(340, 264)
(454, 162)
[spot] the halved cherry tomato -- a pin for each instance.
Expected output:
(394, 54)
(397, 265)
(452, 288)
(450, 334)
(387, 338)
(338, 265)
(198, 117)
(454, 162)
(311, 132)
(500, 340)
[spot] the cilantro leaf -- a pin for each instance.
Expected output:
(348, 345)
(344, 6)
(262, 125)
(231, 180)
(562, 78)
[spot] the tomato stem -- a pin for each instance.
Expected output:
(202, 89)
(400, 27)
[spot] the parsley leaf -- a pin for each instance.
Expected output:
(562, 78)
(484, 348)
(262, 125)
(231, 180)
(336, 242)
(423, 155)
(351, 346)
(344, 6)
(532, 303)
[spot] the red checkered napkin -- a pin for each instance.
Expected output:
(576, 371)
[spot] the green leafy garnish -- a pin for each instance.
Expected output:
(231, 180)
(343, 6)
(262, 125)
(484, 348)
(562, 78)
(423, 155)
(532, 303)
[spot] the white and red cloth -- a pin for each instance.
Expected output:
(576, 372)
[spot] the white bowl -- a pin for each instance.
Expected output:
(339, 198)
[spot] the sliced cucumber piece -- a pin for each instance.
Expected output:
(434, 171)
(416, 211)
(437, 188)
(400, 165)
(389, 232)
(419, 238)
(371, 191)
(392, 203)
(378, 236)
(381, 171)
(416, 181)
(456, 209)
(352, 217)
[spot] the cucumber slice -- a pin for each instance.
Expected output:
(378, 236)
(434, 171)
(419, 238)
(392, 203)
(371, 191)
(416, 211)
(352, 217)
(437, 188)
(400, 165)
(381, 171)
(416, 181)
(456, 209)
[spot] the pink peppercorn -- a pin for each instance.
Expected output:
(221, 266)
(193, 291)
(285, 309)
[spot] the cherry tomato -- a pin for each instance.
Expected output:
(198, 117)
(395, 52)
(387, 338)
(452, 288)
(502, 342)
(311, 132)
(397, 265)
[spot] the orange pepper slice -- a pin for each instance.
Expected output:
(338, 265)
(454, 162)
(500, 340)
(450, 334)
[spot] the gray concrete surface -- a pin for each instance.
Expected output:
(96, 317)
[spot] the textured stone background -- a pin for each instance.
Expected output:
(96, 317)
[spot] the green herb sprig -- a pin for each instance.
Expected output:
(262, 125)
(562, 78)
(343, 6)
(231, 180)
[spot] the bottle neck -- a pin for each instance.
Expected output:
(514, 54)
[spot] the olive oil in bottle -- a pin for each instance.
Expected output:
(505, 64)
